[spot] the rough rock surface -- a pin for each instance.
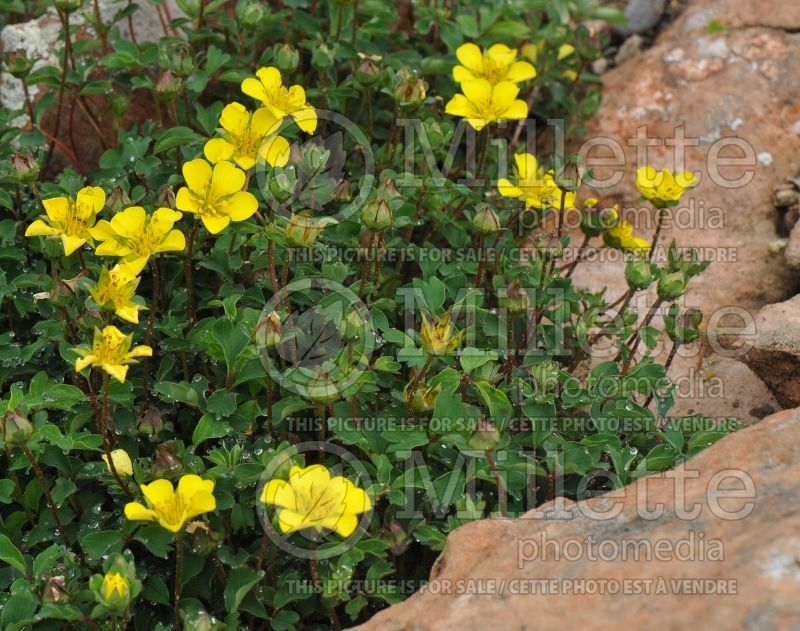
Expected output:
(775, 356)
(741, 83)
(792, 251)
(643, 15)
(759, 550)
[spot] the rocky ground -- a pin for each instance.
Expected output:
(725, 69)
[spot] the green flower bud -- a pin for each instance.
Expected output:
(119, 200)
(671, 286)
(377, 215)
(323, 56)
(282, 184)
(545, 376)
(18, 64)
(485, 437)
(352, 326)
(409, 91)
(287, 58)
(314, 158)
(168, 86)
(516, 300)
(368, 71)
(486, 220)
(150, 422)
(322, 389)
(269, 332)
(568, 177)
(118, 587)
(251, 15)
(638, 274)
(17, 429)
(165, 199)
(205, 540)
(68, 6)
(166, 463)
(25, 167)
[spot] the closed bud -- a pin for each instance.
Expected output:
(485, 437)
(17, 429)
(315, 158)
(302, 230)
(286, 57)
(352, 326)
(671, 286)
(323, 56)
(387, 191)
(25, 167)
(409, 90)
(377, 215)
(516, 300)
(18, 64)
(166, 197)
(341, 193)
(251, 15)
(68, 6)
(282, 184)
(168, 86)
(486, 220)
(422, 399)
(55, 590)
(638, 274)
(322, 389)
(118, 199)
(166, 463)
(569, 177)
(150, 422)
(118, 587)
(545, 377)
(368, 70)
(269, 332)
(205, 540)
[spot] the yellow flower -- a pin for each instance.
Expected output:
(311, 498)
(216, 194)
(111, 352)
(172, 509)
(620, 235)
(534, 186)
(135, 236)
(247, 138)
(281, 101)
(663, 188)
(439, 337)
(483, 103)
(122, 462)
(116, 588)
(69, 218)
(114, 291)
(532, 51)
(497, 63)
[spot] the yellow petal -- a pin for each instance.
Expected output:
(344, 526)
(40, 229)
(190, 484)
(471, 57)
(130, 222)
(459, 106)
(507, 189)
(71, 243)
(175, 241)
(218, 149)
(215, 224)
(102, 231)
(159, 493)
(201, 502)
(527, 166)
(502, 54)
(83, 362)
(135, 511)
(289, 521)
(129, 312)
(279, 493)
(227, 179)
(264, 122)
(117, 371)
(478, 91)
(461, 74)
(254, 87)
(197, 174)
(235, 118)
(56, 208)
(275, 151)
(520, 71)
(518, 109)
(140, 351)
(503, 95)
(186, 201)
(92, 198)
(241, 206)
(306, 119)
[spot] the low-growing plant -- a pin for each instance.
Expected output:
(302, 319)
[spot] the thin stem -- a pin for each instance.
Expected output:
(673, 351)
(106, 444)
(150, 322)
(420, 376)
(339, 20)
(579, 257)
(335, 624)
(659, 223)
(178, 578)
(20, 492)
(502, 497)
(353, 38)
(633, 342)
(48, 498)
(187, 271)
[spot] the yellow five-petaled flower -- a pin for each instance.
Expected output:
(311, 498)
(215, 195)
(248, 137)
(281, 101)
(483, 103)
(620, 234)
(111, 352)
(536, 187)
(497, 63)
(70, 219)
(115, 291)
(439, 337)
(663, 188)
(135, 236)
(170, 508)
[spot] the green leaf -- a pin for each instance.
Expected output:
(240, 581)
(176, 137)
(18, 611)
(472, 358)
(209, 427)
(11, 555)
(222, 403)
(231, 339)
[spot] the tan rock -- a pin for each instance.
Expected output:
(732, 571)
